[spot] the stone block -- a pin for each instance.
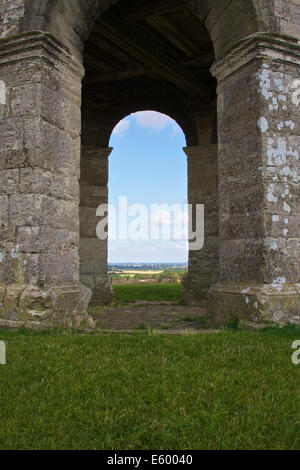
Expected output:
(9, 181)
(40, 181)
(45, 239)
(103, 291)
(4, 211)
(256, 303)
(88, 222)
(12, 159)
(35, 304)
(59, 267)
(93, 256)
(11, 131)
(42, 210)
(92, 196)
(51, 148)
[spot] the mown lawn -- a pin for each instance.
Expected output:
(150, 292)
(232, 390)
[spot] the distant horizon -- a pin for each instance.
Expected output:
(148, 262)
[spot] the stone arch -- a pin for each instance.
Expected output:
(72, 22)
(256, 54)
(102, 109)
(103, 126)
(95, 155)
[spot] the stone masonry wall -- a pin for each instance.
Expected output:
(204, 269)
(11, 15)
(258, 99)
(39, 180)
(288, 14)
(94, 251)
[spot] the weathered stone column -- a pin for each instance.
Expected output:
(93, 251)
(204, 270)
(39, 183)
(259, 129)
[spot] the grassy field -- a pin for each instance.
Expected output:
(232, 390)
(158, 292)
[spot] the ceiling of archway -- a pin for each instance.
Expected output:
(159, 41)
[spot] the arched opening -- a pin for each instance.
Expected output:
(147, 195)
(156, 56)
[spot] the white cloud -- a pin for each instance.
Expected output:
(152, 120)
(121, 128)
(156, 122)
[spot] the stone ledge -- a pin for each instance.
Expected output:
(84, 322)
(37, 44)
(261, 46)
(35, 307)
(259, 304)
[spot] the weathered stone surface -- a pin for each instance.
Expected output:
(58, 266)
(101, 286)
(255, 305)
(35, 304)
(204, 270)
(103, 290)
(4, 211)
(227, 21)
(55, 306)
(39, 182)
(93, 251)
(93, 256)
(84, 298)
(11, 302)
(256, 98)
(37, 209)
(84, 322)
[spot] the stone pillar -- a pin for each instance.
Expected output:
(203, 189)
(259, 129)
(93, 251)
(39, 183)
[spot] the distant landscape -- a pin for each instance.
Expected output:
(147, 273)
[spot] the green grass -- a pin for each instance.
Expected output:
(232, 390)
(150, 292)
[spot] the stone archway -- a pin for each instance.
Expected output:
(72, 23)
(258, 157)
(125, 75)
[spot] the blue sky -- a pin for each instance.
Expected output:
(148, 166)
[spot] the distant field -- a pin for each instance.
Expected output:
(150, 292)
(149, 272)
(147, 276)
